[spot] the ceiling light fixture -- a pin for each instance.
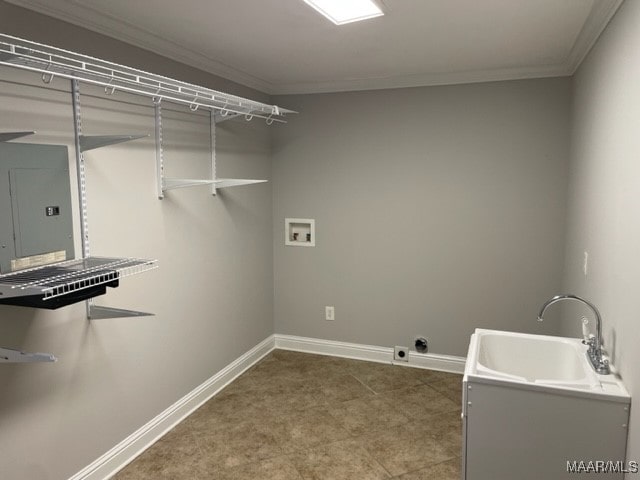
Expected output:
(346, 11)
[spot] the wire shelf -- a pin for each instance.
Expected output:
(52, 62)
(63, 278)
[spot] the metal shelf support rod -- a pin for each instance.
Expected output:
(212, 148)
(80, 172)
(159, 153)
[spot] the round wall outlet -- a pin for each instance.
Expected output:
(401, 354)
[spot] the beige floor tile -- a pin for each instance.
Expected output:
(417, 449)
(270, 401)
(304, 430)
(174, 456)
(295, 413)
(344, 460)
(447, 429)
(382, 377)
(419, 403)
(431, 376)
(366, 415)
(449, 470)
(338, 388)
(309, 364)
(445, 422)
(280, 468)
(222, 410)
(237, 444)
(273, 379)
(450, 387)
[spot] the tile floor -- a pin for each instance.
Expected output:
(296, 416)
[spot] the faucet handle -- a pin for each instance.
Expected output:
(590, 341)
(585, 330)
(603, 367)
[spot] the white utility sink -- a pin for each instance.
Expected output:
(533, 404)
(536, 359)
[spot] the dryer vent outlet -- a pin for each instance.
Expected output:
(421, 344)
(401, 354)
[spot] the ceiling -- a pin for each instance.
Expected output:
(284, 46)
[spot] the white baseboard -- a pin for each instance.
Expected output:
(371, 353)
(336, 349)
(132, 446)
(436, 361)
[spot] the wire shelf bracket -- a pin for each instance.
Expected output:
(97, 312)
(9, 355)
(7, 136)
(91, 142)
(235, 182)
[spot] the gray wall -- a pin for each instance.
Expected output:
(438, 210)
(603, 214)
(212, 295)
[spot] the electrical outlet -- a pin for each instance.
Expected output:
(401, 354)
(329, 313)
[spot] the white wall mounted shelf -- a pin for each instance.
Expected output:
(165, 184)
(9, 355)
(173, 183)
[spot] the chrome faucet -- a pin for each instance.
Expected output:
(595, 355)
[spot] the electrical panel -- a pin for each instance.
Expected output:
(36, 224)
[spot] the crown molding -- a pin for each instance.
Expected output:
(600, 16)
(100, 21)
(423, 80)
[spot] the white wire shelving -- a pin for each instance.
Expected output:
(54, 62)
(64, 278)
(165, 184)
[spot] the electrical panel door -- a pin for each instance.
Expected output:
(36, 225)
